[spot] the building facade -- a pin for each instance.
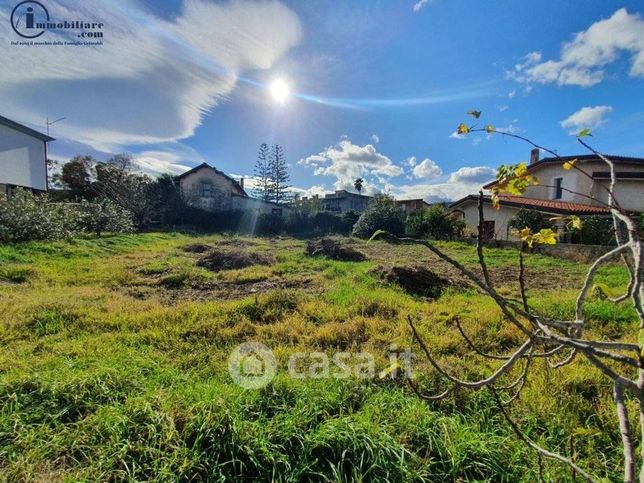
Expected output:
(23, 157)
(560, 192)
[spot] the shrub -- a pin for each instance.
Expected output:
(25, 216)
(103, 216)
(434, 222)
(269, 224)
(531, 219)
(596, 230)
(381, 214)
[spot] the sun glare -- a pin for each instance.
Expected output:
(280, 90)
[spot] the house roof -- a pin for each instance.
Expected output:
(547, 206)
(206, 165)
(582, 157)
(344, 194)
(24, 129)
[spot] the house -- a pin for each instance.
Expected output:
(23, 157)
(560, 192)
(208, 188)
(412, 206)
(342, 201)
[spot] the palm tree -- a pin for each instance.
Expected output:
(357, 184)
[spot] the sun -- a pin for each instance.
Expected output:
(280, 91)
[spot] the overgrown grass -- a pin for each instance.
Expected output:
(113, 366)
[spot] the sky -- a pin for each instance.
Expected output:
(377, 87)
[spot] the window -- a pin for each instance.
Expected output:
(206, 190)
(558, 189)
(488, 230)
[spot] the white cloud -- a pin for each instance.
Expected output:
(375, 138)
(427, 169)
(456, 135)
(418, 6)
(347, 161)
(155, 163)
(503, 108)
(586, 117)
(582, 60)
(511, 94)
(411, 161)
(153, 79)
(478, 174)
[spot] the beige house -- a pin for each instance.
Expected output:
(560, 192)
(208, 188)
(23, 157)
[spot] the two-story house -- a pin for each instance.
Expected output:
(561, 192)
(23, 157)
(208, 188)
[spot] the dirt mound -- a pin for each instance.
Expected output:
(414, 280)
(196, 248)
(237, 243)
(334, 249)
(217, 260)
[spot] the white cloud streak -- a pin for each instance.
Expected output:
(583, 60)
(586, 117)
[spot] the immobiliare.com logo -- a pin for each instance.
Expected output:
(31, 19)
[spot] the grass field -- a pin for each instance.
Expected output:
(113, 366)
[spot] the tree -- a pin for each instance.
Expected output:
(263, 174)
(76, 176)
(557, 342)
(532, 219)
(434, 222)
(381, 214)
(357, 184)
(279, 175)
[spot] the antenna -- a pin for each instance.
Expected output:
(53, 122)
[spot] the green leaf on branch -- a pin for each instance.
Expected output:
(513, 179)
(489, 128)
(583, 133)
(474, 113)
(462, 129)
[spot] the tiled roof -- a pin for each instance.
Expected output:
(548, 206)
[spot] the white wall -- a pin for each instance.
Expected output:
(22, 159)
(252, 204)
(501, 218)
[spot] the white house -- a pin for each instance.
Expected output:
(23, 157)
(210, 189)
(560, 192)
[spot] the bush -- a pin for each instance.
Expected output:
(434, 222)
(531, 219)
(269, 224)
(25, 217)
(595, 230)
(103, 216)
(381, 214)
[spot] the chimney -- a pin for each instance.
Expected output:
(534, 155)
(241, 183)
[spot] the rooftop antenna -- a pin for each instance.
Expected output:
(53, 122)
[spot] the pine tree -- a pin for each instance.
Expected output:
(264, 189)
(279, 175)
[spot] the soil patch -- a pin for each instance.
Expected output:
(217, 260)
(334, 249)
(414, 280)
(196, 248)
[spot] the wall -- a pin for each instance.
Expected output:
(628, 192)
(258, 206)
(501, 218)
(22, 159)
(222, 190)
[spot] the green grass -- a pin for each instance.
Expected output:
(114, 367)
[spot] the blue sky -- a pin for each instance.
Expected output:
(377, 86)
